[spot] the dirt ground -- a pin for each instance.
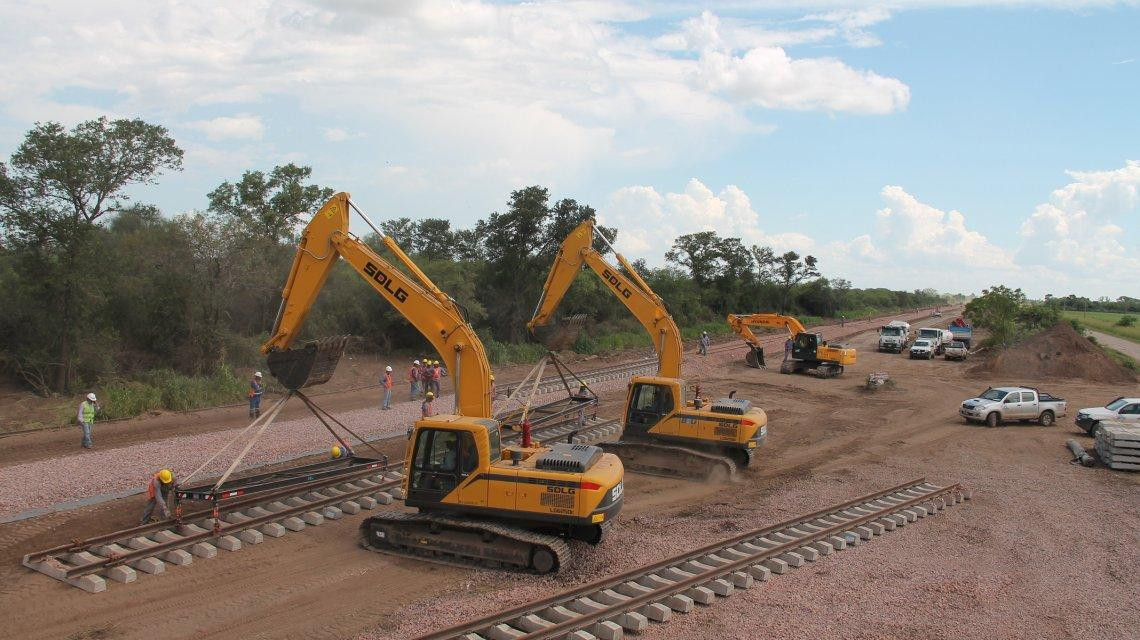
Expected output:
(1045, 549)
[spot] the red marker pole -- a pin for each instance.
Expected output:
(526, 433)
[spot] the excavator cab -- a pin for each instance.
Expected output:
(649, 403)
(806, 345)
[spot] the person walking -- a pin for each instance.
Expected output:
(788, 349)
(157, 493)
(255, 391)
(427, 409)
(414, 380)
(387, 381)
(436, 375)
(704, 343)
(86, 417)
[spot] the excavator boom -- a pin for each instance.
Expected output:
(577, 251)
(810, 353)
(415, 296)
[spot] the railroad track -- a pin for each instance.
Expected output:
(120, 556)
(637, 367)
(630, 602)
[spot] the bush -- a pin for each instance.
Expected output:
(1078, 326)
(505, 353)
(169, 390)
(1126, 321)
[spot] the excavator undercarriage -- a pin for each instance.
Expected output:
(656, 459)
(465, 542)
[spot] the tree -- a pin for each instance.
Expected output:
(273, 205)
(787, 270)
(699, 253)
(511, 240)
(58, 186)
(996, 309)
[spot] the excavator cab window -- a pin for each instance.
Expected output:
(441, 458)
(805, 345)
(649, 404)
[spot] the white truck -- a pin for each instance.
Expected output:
(1126, 410)
(956, 350)
(922, 348)
(938, 338)
(1004, 404)
(894, 336)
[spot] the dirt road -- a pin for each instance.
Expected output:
(1127, 347)
(1038, 552)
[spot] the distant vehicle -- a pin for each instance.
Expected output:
(922, 348)
(894, 336)
(1119, 410)
(956, 350)
(936, 314)
(961, 330)
(1003, 404)
(938, 338)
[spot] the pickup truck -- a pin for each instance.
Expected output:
(922, 348)
(956, 350)
(1003, 404)
(938, 338)
(961, 331)
(1125, 410)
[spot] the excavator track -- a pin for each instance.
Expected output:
(464, 542)
(671, 461)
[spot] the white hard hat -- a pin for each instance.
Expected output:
(415, 361)
(91, 397)
(257, 374)
(388, 368)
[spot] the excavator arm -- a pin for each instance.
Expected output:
(577, 250)
(430, 310)
(742, 324)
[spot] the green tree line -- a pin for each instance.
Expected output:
(97, 287)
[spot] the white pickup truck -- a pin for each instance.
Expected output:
(1119, 410)
(1003, 404)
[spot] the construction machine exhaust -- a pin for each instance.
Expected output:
(309, 365)
(560, 334)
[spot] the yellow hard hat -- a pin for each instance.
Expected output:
(165, 476)
(492, 376)
(429, 394)
(336, 451)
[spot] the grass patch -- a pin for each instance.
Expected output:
(505, 353)
(165, 389)
(1122, 359)
(1105, 322)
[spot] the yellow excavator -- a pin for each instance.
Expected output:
(479, 502)
(663, 432)
(810, 352)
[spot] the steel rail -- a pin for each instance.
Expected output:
(479, 626)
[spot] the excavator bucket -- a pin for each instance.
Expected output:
(755, 357)
(309, 365)
(560, 334)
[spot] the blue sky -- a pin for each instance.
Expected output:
(949, 144)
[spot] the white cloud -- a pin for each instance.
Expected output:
(767, 76)
(335, 134)
(649, 221)
(245, 127)
(1076, 232)
(925, 234)
(493, 90)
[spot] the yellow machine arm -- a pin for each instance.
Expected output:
(742, 324)
(578, 250)
(435, 314)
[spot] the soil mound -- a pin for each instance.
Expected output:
(1059, 352)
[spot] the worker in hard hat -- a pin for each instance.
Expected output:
(255, 391)
(157, 494)
(427, 409)
(492, 387)
(436, 375)
(86, 417)
(414, 380)
(386, 380)
(337, 452)
(704, 343)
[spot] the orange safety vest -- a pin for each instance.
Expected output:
(150, 486)
(387, 380)
(436, 372)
